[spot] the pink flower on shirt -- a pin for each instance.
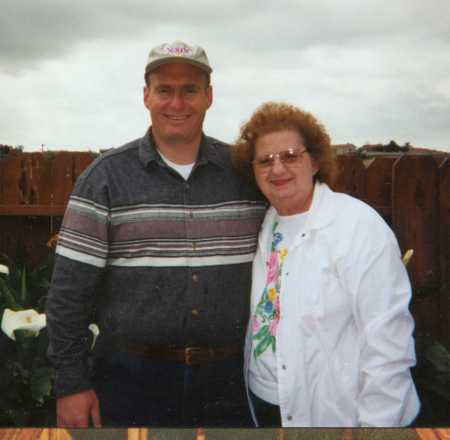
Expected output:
(255, 324)
(273, 267)
(273, 327)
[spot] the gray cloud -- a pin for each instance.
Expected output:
(71, 72)
(44, 29)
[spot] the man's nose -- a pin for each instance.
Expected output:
(177, 100)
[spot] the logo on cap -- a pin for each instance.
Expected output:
(179, 51)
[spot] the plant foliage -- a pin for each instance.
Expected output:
(25, 375)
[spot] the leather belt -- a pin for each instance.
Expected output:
(187, 355)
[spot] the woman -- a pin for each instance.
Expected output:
(329, 341)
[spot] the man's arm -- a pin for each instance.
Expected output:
(69, 312)
(81, 255)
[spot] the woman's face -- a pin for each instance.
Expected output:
(284, 171)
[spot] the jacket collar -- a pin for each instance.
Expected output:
(321, 213)
(208, 152)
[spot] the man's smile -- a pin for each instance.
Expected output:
(177, 117)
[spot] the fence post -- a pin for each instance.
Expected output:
(415, 221)
(444, 240)
(379, 186)
(351, 178)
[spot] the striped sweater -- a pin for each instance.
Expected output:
(150, 257)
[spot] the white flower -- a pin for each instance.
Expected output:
(29, 320)
(95, 331)
(4, 269)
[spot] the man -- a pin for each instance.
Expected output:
(156, 247)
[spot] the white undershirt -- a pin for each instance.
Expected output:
(263, 378)
(183, 170)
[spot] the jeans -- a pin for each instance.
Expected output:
(134, 391)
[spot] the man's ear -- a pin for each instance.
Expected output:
(209, 94)
(146, 96)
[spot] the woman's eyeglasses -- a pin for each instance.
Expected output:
(291, 156)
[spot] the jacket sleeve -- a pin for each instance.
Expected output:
(81, 255)
(378, 282)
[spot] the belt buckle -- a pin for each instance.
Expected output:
(189, 354)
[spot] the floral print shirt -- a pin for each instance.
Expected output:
(267, 314)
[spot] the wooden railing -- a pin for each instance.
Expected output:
(232, 434)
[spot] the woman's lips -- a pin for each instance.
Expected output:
(280, 182)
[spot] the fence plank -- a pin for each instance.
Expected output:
(415, 222)
(351, 177)
(415, 216)
(444, 241)
(379, 186)
(62, 176)
(81, 161)
(45, 183)
(11, 185)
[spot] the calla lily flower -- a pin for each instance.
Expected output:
(408, 255)
(4, 269)
(95, 331)
(29, 320)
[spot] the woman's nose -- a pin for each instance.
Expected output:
(278, 166)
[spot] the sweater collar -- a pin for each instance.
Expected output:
(208, 152)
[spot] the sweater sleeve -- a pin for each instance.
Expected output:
(81, 255)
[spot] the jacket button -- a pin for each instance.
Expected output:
(303, 235)
(283, 367)
(289, 418)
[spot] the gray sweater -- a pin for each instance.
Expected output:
(151, 258)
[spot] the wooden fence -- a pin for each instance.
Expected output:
(411, 192)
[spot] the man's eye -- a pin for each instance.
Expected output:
(191, 91)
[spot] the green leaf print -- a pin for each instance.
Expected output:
(263, 331)
(264, 344)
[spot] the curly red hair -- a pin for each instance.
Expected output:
(278, 116)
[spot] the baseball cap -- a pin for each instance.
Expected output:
(177, 52)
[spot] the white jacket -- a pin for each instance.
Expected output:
(344, 341)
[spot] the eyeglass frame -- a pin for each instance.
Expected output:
(273, 156)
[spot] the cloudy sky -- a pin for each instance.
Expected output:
(71, 72)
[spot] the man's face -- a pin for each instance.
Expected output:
(177, 98)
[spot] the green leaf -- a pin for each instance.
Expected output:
(23, 288)
(9, 296)
(439, 357)
(263, 344)
(263, 331)
(41, 384)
